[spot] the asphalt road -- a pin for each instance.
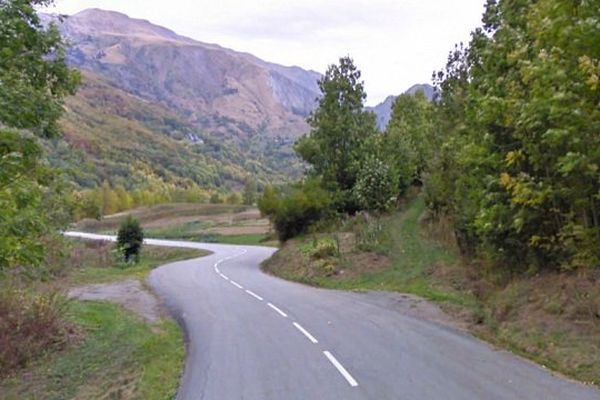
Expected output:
(256, 337)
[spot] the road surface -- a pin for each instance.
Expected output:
(256, 337)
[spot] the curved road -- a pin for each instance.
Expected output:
(256, 337)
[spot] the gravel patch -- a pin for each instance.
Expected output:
(130, 293)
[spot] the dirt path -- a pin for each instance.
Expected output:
(130, 293)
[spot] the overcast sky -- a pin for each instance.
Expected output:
(395, 43)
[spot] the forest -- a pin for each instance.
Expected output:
(509, 151)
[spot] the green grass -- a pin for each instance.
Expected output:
(151, 257)
(120, 357)
(196, 232)
(412, 257)
(117, 355)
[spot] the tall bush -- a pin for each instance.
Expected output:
(130, 239)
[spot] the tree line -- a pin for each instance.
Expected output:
(509, 150)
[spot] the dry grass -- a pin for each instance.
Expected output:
(165, 214)
(31, 324)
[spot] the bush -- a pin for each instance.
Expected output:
(293, 212)
(30, 325)
(323, 248)
(130, 239)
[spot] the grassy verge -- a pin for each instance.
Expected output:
(120, 357)
(410, 256)
(109, 352)
(551, 318)
(94, 262)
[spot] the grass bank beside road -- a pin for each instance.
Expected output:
(117, 357)
(105, 352)
(552, 318)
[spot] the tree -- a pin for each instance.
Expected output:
(524, 170)
(33, 72)
(234, 198)
(34, 79)
(130, 239)
(250, 189)
(408, 142)
(215, 198)
(339, 128)
(375, 187)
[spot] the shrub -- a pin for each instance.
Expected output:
(30, 325)
(323, 248)
(293, 212)
(130, 239)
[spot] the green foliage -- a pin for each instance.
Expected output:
(250, 189)
(215, 198)
(519, 167)
(293, 211)
(234, 198)
(374, 189)
(130, 239)
(269, 201)
(339, 129)
(323, 248)
(408, 143)
(34, 80)
(33, 74)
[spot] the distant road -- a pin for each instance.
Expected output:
(255, 337)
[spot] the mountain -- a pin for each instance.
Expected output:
(383, 110)
(157, 105)
(219, 90)
(110, 134)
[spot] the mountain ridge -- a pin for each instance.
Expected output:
(218, 89)
(383, 111)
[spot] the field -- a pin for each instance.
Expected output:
(215, 223)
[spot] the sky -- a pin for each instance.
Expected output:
(395, 43)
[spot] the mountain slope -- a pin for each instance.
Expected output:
(383, 110)
(219, 90)
(109, 134)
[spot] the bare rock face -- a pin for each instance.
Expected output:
(217, 89)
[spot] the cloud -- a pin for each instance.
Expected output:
(395, 43)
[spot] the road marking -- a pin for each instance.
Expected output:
(234, 283)
(217, 269)
(341, 369)
(251, 293)
(305, 332)
(278, 310)
(224, 277)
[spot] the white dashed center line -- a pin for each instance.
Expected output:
(341, 369)
(251, 293)
(351, 381)
(234, 283)
(305, 332)
(278, 310)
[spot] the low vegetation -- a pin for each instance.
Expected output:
(56, 348)
(116, 355)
